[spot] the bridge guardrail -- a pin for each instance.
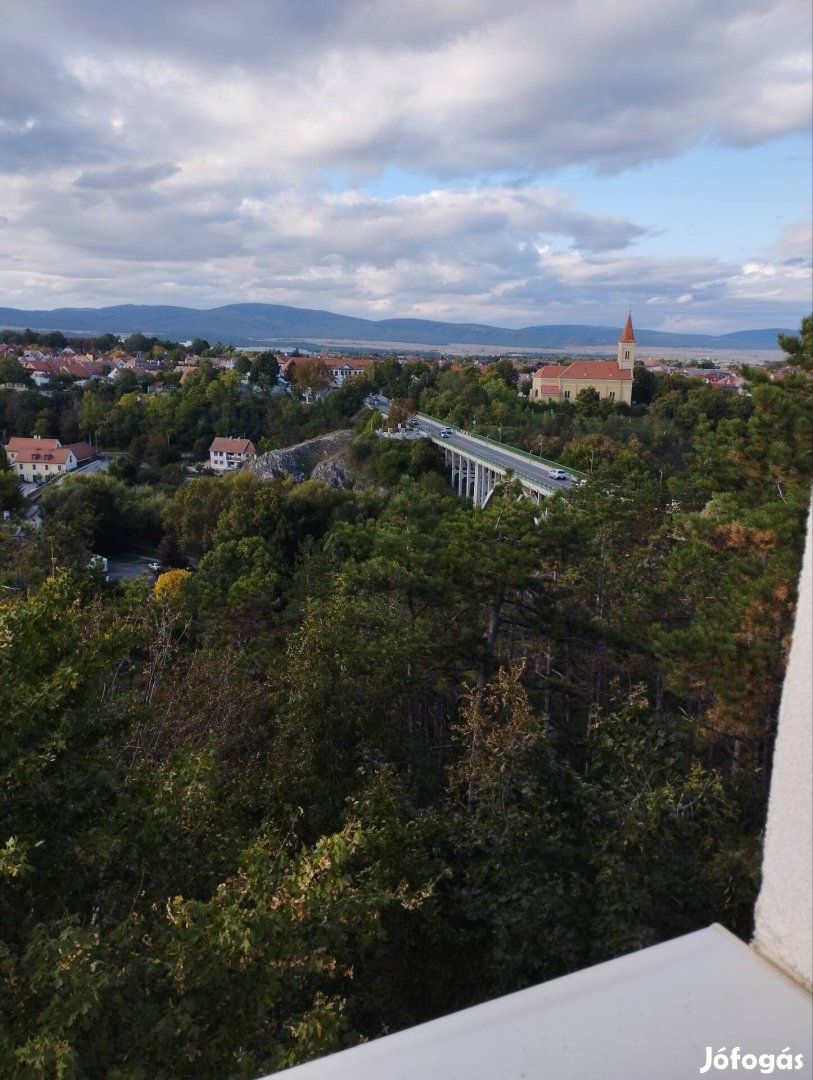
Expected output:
(515, 450)
(500, 466)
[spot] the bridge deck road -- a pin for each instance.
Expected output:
(459, 440)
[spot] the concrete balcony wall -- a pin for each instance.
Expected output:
(784, 927)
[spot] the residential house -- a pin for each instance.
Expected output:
(657, 367)
(49, 366)
(83, 452)
(39, 459)
(226, 454)
(18, 445)
(342, 370)
(612, 379)
(186, 370)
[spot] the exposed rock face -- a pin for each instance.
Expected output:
(323, 458)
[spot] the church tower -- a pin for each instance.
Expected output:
(626, 347)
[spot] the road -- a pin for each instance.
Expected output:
(99, 465)
(131, 566)
(459, 440)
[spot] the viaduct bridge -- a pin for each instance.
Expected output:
(478, 464)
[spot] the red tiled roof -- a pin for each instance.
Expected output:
(58, 456)
(80, 367)
(82, 451)
(17, 444)
(77, 368)
(550, 371)
(597, 370)
(50, 367)
(232, 446)
(628, 334)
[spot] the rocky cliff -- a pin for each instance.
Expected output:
(323, 458)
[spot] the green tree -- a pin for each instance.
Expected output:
(138, 343)
(799, 348)
(10, 495)
(194, 511)
(505, 370)
(58, 736)
(102, 511)
(264, 370)
(12, 371)
(94, 412)
(643, 385)
(311, 374)
(238, 583)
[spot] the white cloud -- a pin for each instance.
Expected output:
(365, 84)
(179, 150)
(125, 176)
(514, 256)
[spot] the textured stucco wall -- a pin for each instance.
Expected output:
(784, 912)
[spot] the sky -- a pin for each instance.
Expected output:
(512, 162)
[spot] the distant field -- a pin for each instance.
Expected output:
(723, 356)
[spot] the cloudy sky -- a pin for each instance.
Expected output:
(513, 162)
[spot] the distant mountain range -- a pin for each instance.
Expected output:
(277, 325)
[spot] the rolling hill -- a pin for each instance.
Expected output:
(275, 324)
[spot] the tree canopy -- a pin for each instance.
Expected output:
(361, 758)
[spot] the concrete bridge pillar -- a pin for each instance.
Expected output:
(476, 480)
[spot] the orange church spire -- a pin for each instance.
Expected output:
(628, 334)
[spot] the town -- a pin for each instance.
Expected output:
(72, 388)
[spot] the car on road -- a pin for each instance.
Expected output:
(445, 432)
(557, 474)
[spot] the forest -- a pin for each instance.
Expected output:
(362, 758)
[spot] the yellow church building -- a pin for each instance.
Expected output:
(611, 378)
